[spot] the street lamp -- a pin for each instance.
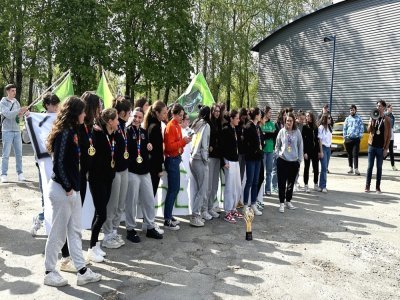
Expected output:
(330, 39)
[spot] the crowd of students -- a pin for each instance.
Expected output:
(122, 152)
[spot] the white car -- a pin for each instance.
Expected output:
(396, 142)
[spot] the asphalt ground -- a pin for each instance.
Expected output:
(339, 245)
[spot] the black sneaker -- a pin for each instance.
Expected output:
(175, 221)
(153, 233)
(169, 224)
(132, 236)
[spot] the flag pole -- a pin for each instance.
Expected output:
(49, 88)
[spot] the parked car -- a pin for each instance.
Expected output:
(396, 142)
(338, 140)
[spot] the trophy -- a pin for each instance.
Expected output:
(248, 217)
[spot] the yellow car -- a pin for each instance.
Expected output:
(338, 141)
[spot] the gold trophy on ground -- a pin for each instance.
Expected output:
(248, 214)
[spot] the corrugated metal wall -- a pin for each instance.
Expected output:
(295, 63)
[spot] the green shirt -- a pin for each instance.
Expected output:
(269, 143)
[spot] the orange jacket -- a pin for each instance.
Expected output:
(173, 140)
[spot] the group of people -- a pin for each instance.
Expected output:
(122, 152)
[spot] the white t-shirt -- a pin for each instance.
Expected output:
(325, 136)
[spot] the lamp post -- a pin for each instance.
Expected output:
(330, 39)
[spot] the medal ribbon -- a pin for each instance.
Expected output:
(124, 136)
(289, 138)
(379, 124)
(89, 134)
(112, 146)
(138, 141)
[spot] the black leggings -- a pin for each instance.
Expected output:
(315, 166)
(287, 172)
(101, 191)
(155, 181)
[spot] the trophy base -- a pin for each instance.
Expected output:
(249, 236)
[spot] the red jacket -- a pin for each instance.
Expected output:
(173, 140)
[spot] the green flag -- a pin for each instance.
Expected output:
(63, 90)
(103, 91)
(196, 93)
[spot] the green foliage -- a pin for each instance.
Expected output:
(153, 47)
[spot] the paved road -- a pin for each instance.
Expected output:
(340, 245)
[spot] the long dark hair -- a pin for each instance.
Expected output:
(151, 112)
(312, 123)
(92, 106)
(67, 118)
(291, 115)
(204, 114)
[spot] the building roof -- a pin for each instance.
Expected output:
(297, 19)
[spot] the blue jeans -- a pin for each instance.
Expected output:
(11, 138)
(174, 182)
(373, 153)
(324, 166)
(252, 175)
(274, 179)
(268, 163)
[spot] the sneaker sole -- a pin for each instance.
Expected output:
(68, 270)
(88, 281)
(56, 284)
(112, 247)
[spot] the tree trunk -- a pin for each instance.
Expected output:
(205, 52)
(166, 95)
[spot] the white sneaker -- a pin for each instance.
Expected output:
(67, 265)
(55, 279)
(36, 225)
(111, 243)
(324, 190)
(93, 256)
(99, 250)
(290, 205)
(316, 187)
(255, 209)
(158, 229)
(356, 172)
(206, 216)
(196, 221)
(4, 180)
(88, 277)
(118, 237)
(306, 189)
(394, 168)
(282, 208)
(350, 171)
(213, 213)
(21, 177)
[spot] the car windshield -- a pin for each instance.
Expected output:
(396, 128)
(337, 127)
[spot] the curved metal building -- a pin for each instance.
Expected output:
(295, 63)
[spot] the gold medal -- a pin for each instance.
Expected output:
(91, 150)
(126, 154)
(139, 159)
(113, 164)
(289, 149)
(180, 150)
(378, 132)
